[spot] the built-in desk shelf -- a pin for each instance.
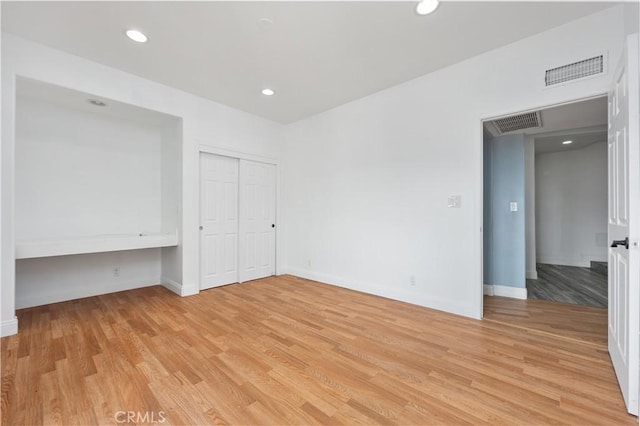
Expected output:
(29, 249)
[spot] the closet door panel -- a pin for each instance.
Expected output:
(218, 220)
(257, 220)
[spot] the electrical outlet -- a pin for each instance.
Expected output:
(116, 272)
(309, 263)
(412, 280)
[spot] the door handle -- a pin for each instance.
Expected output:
(624, 243)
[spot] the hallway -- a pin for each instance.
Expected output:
(569, 284)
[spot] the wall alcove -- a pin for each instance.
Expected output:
(97, 194)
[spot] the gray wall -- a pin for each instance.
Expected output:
(530, 206)
(504, 181)
(486, 210)
(571, 206)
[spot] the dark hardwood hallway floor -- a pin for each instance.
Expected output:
(569, 284)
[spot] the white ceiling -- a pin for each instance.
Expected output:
(34, 90)
(584, 123)
(316, 55)
(553, 143)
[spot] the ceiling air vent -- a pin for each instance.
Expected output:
(518, 122)
(574, 71)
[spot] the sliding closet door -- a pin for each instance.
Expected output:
(218, 220)
(257, 220)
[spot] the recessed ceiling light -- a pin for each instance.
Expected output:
(567, 142)
(268, 92)
(426, 7)
(136, 35)
(96, 102)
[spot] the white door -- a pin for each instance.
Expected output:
(257, 220)
(218, 220)
(624, 224)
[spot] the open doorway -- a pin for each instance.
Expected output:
(545, 219)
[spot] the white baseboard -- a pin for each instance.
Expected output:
(563, 261)
(190, 290)
(532, 275)
(505, 291)
(62, 295)
(179, 289)
(582, 262)
(394, 293)
(9, 327)
(172, 285)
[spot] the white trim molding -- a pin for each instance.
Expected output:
(505, 291)
(203, 147)
(190, 290)
(532, 275)
(393, 293)
(487, 290)
(179, 289)
(582, 261)
(9, 327)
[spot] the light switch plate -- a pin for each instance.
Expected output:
(513, 206)
(454, 201)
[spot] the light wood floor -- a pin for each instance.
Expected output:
(289, 351)
(583, 323)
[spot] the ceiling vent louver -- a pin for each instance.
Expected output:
(574, 71)
(518, 122)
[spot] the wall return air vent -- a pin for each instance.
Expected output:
(515, 122)
(574, 71)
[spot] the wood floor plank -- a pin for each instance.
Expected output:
(286, 350)
(582, 323)
(569, 284)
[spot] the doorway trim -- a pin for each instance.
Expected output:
(234, 154)
(480, 180)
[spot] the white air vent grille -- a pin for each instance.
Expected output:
(574, 71)
(518, 122)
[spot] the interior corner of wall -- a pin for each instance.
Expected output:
(283, 270)
(512, 292)
(172, 285)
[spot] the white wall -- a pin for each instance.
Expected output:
(8, 320)
(631, 17)
(530, 206)
(81, 173)
(366, 184)
(171, 159)
(55, 279)
(571, 206)
(203, 123)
